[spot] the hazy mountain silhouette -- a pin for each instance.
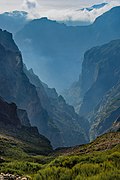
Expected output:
(55, 51)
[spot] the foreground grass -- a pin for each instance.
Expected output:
(94, 165)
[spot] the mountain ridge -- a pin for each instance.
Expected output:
(68, 46)
(72, 127)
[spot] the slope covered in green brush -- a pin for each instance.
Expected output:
(97, 160)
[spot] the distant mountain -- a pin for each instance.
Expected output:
(96, 6)
(55, 51)
(13, 21)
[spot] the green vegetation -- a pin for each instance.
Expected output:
(83, 164)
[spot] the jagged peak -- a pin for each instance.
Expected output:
(6, 39)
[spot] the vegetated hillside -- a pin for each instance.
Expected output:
(55, 51)
(100, 144)
(98, 160)
(12, 131)
(73, 129)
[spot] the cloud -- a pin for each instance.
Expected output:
(70, 16)
(30, 4)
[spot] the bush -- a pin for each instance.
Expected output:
(54, 173)
(20, 168)
(86, 170)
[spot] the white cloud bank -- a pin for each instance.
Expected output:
(60, 10)
(70, 15)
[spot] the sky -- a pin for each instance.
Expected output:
(61, 10)
(8, 5)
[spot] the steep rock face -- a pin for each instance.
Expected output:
(72, 127)
(100, 88)
(105, 116)
(8, 114)
(53, 133)
(50, 48)
(22, 114)
(73, 96)
(7, 41)
(11, 125)
(17, 88)
(116, 126)
(101, 71)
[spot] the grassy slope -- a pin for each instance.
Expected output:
(99, 160)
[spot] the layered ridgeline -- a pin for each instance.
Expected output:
(15, 20)
(100, 88)
(73, 128)
(55, 51)
(25, 138)
(54, 118)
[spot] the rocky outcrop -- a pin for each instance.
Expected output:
(116, 126)
(8, 114)
(9, 176)
(22, 114)
(11, 125)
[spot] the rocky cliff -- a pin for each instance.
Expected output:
(100, 73)
(17, 88)
(106, 115)
(100, 88)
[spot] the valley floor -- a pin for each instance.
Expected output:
(99, 160)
